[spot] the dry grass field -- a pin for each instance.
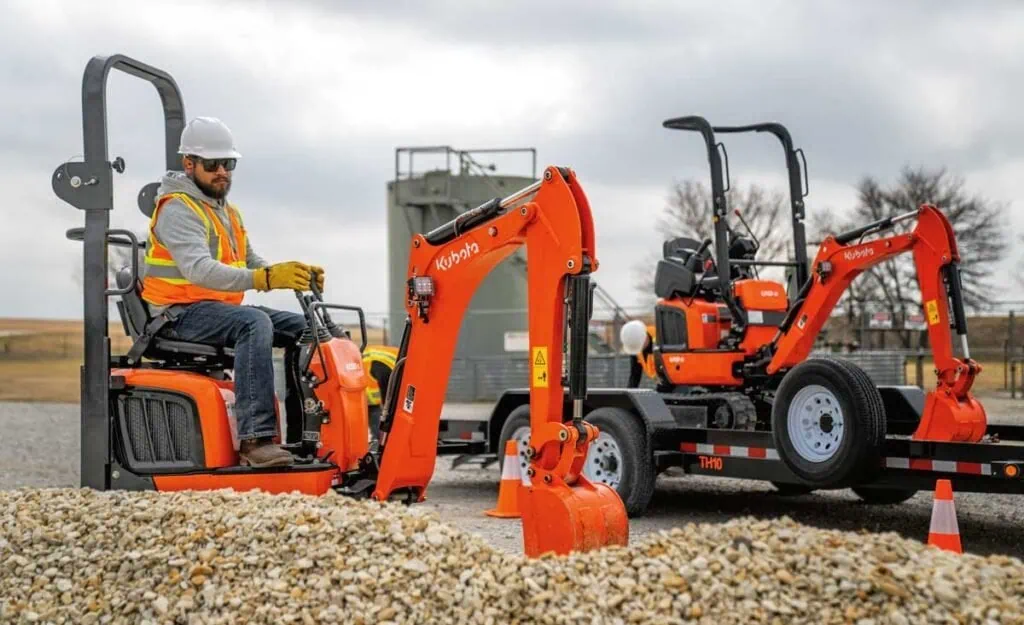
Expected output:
(40, 359)
(991, 378)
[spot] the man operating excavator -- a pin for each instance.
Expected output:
(199, 262)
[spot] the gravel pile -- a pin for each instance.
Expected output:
(78, 556)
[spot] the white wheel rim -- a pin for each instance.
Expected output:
(522, 437)
(815, 423)
(604, 461)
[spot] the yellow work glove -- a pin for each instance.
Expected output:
(290, 275)
(319, 272)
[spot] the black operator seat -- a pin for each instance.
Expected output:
(677, 272)
(136, 317)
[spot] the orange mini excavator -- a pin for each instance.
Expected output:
(160, 417)
(738, 346)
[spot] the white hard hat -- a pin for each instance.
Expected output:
(633, 336)
(207, 137)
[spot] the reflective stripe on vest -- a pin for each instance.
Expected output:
(164, 283)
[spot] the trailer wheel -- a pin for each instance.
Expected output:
(884, 496)
(620, 457)
(828, 423)
(516, 426)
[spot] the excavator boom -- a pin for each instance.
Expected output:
(950, 412)
(562, 511)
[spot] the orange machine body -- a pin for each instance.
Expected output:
(700, 359)
(344, 436)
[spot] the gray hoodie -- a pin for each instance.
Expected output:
(182, 232)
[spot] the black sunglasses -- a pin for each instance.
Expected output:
(212, 164)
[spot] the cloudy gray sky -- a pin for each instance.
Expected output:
(320, 93)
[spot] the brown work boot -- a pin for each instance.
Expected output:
(262, 452)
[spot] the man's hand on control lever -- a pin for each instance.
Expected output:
(319, 273)
(291, 275)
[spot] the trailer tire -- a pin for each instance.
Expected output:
(622, 439)
(517, 424)
(828, 423)
(884, 496)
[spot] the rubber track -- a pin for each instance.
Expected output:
(743, 409)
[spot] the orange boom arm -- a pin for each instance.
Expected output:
(561, 510)
(950, 413)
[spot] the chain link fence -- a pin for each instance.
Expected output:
(485, 378)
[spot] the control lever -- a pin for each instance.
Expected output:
(693, 262)
(332, 327)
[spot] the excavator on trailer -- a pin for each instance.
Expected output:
(160, 417)
(739, 344)
(739, 393)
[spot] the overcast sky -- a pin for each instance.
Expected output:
(319, 94)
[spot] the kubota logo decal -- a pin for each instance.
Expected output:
(454, 257)
(769, 293)
(864, 252)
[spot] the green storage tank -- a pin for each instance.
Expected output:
(422, 197)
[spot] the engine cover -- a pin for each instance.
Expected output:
(174, 421)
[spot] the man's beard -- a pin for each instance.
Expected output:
(212, 191)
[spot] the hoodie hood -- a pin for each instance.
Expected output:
(178, 182)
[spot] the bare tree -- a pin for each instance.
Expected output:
(978, 224)
(688, 213)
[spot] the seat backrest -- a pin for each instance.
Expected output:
(135, 308)
(673, 279)
(681, 247)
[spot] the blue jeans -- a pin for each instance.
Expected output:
(253, 332)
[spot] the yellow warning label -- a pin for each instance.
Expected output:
(540, 367)
(932, 308)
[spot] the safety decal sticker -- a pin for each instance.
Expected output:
(410, 396)
(539, 367)
(932, 308)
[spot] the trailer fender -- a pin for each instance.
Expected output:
(903, 408)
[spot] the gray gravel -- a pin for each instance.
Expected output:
(40, 447)
(77, 556)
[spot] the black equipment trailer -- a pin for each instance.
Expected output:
(648, 432)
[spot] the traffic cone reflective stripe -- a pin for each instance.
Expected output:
(944, 532)
(508, 490)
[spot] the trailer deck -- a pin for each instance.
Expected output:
(993, 467)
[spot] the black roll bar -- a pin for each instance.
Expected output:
(719, 206)
(88, 186)
(799, 187)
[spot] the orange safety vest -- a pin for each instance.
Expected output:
(164, 284)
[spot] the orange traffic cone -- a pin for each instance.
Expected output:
(511, 478)
(944, 532)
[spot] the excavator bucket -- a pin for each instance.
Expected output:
(947, 418)
(560, 518)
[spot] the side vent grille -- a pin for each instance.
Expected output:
(159, 431)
